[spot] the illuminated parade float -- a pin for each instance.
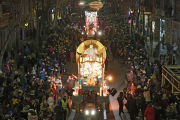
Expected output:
(90, 87)
(91, 90)
(91, 22)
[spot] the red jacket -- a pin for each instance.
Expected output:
(51, 49)
(150, 113)
(8, 68)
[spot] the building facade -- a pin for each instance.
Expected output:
(15, 21)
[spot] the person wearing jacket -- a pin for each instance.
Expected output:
(143, 104)
(8, 69)
(65, 106)
(50, 101)
(150, 112)
(23, 82)
(164, 104)
(51, 49)
(155, 99)
(131, 106)
(120, 101)
(27, 51)
(26, 63)
(42, 76)
(147, 95)
(59, 112)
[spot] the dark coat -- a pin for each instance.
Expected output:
(138, 90)
(26, 61)
(59, 112)
(131, 104)
(155, 100)
(18, 58)
(143, 103)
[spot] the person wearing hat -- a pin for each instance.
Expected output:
(65, 105)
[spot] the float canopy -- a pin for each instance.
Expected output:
(101, 50)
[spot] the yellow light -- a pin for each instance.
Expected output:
(110, 78)
(26, 24)
(131, 11)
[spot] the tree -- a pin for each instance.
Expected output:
(19, 14)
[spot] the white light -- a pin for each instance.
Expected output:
(99, 109)
(84, 26)
(81, 3)
(87, 112)
(99, 33)
(110, 78)
(93, 33)
(82, 33)
(92, 112)
(80, 110)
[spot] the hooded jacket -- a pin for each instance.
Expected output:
(150, 113)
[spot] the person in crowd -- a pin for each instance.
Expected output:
(27, 51)
(8, 68)
(65, 106)
(59, 110)
(147, 95)
(50, 101)
(51, 49)
(131, 106)
(171, 98)
(120, 101)
(149, 112)
(138, 90)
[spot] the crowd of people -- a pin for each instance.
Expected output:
(146, 96)
(37, 91)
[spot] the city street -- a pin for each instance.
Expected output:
(89, 60)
